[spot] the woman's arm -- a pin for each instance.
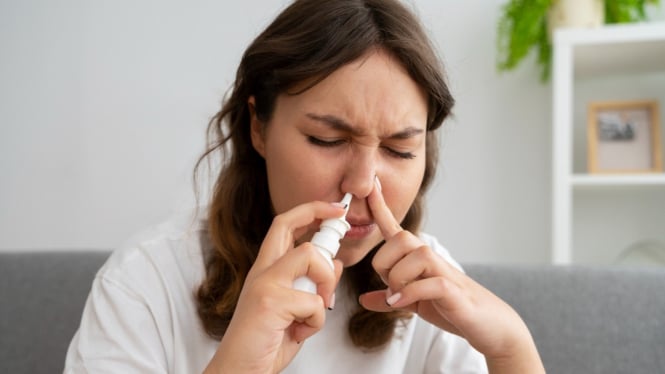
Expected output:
(419, 280)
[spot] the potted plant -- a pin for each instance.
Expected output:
(526, 24)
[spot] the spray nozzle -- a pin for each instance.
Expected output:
(347, 202)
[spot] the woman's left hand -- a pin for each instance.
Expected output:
(422, 281)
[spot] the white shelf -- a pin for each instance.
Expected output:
(589, 180)
(616, 49)
(579, 54)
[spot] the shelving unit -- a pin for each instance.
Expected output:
(586, 180)
(579, 54)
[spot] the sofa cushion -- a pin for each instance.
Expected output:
(42, 296)
(583, 319)
(587, 319)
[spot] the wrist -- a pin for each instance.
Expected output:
(521, 358)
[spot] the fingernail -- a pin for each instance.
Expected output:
(377, 182)
(389, 293)
(331, 305)
(393, 299)
(338, 205)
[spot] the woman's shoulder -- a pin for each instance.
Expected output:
(175, 246)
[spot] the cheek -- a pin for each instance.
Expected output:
(297, 175)
(400, 189)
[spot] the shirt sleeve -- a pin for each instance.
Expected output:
(118, 333)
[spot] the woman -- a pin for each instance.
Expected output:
(333, 97)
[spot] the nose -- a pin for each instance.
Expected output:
(359, 174)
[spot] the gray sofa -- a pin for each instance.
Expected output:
(584, 319)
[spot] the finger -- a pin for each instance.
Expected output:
(399, 246)
(280, 236)
(307, 260)
(304, 260)
(308, 315)
(420, 263)
(383, 217)
(339, 268)
(376, 301)
(444, 291)
(319, 271)
(303, 331)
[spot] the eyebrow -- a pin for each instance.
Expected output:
(339, 124)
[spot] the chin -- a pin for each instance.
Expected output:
(352, 253)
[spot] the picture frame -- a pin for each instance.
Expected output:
(624, 137)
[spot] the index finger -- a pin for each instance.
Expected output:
(382, 215)
(280, 236)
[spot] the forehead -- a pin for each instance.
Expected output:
(373, 90)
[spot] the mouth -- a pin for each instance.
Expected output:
(359, 229)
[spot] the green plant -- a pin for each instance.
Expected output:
(523, 26)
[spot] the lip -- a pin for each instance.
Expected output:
(359, 228)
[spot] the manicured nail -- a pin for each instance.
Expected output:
(338, 205)
(389, 293)
(377, 182)
(331, 305)
(393, 299)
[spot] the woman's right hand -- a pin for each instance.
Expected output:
(271, 318)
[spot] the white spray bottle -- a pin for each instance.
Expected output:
(326, 241)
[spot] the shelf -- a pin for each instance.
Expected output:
(587, 180)
(611, 51)
(616, 49)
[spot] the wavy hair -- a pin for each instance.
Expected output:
(308, 41)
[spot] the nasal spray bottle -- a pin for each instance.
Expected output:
(326, 241)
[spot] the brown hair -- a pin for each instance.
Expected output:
(308, 41)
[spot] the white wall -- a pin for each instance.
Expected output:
(491, 201)
(103, 107)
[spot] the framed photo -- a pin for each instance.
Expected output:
(624, 137)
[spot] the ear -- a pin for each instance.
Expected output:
(257, 130)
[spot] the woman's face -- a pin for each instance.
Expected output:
(366, 119)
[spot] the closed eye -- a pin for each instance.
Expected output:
(325, 143)
(337, 142)
(398, 154)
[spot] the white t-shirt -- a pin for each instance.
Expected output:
(140, 317)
